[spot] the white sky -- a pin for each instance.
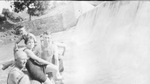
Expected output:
(4, 4)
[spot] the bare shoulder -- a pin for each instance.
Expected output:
(60, 44)
(27, 51)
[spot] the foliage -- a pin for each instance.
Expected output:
(12, 16)
(34, 7)
(2, 19)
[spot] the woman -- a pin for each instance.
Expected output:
(38, 67)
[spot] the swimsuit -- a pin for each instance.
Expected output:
(36, 70)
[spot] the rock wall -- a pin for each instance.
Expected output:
(52, 24)
(65, 18)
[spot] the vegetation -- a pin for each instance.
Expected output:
(33, 7)
(2, 19)
(10, 15)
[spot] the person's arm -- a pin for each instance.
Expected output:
(37, 52)
(63, 46)
(33, 56)
(16, 48)
(7, 64)
(56, 55)
(18, 41)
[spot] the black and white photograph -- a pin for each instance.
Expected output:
(74, 42)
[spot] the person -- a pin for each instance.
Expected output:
(38, 67)
(61, 54)
(24, 36)
(16, 75)
(50, 51)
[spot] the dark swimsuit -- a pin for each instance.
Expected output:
(36, 70)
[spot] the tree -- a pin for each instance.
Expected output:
(2, 19)
(11, 15)
(34, 7)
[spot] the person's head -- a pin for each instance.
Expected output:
(30, 43)
(47, 38)
(20, 59)
(22, 30)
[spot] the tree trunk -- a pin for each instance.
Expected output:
(29, 17)
(29, 13)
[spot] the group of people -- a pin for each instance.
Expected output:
(31, 63)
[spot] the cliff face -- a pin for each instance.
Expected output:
(60, 19)
(51, 23)
(111, 45)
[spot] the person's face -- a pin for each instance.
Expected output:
(30, 44)
(22, 31)
(21, 62)
(46, 39)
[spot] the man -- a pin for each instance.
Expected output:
(25, 35)
(16, 75)
(50, 51)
